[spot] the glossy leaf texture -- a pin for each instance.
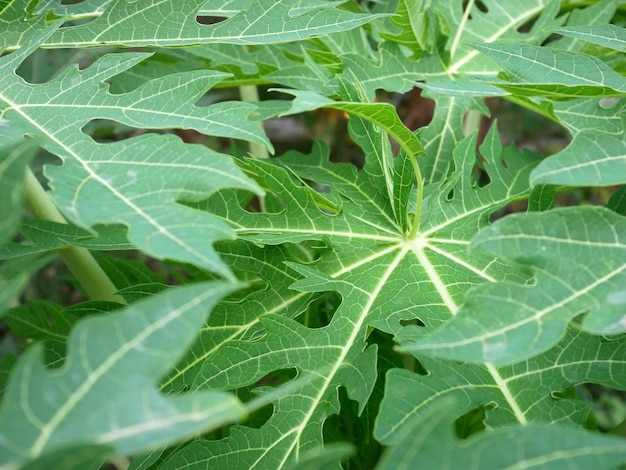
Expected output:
(149, 23)
(577, 257)
(106, 386)
(135, 180)
(434, 444)
(391, 312)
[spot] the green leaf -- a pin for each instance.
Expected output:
(108, 381)
(15, 276)
(606, 35)
(597, 13)
(136, 182)
(14, 159)
(40, 320)
(42, 236)
(501, 21)
(443, 135)
(592, 159)
(530, 391)
(372, 266)
(534, 70)
(576, 255)
(168, 24)
(617, 201)
(382, 114)
(600, 116)
(432, 444)
(413, 18)
(541, 198)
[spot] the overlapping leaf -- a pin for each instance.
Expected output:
(495, 21)
(577, 255)
(432, 444)
(382, 279)
(104, 394)
(597, 154)
(556, 74)
(44, 236)
(607, 35)
(163, 23)
(530, 391)
(14, 159)
(138, 181)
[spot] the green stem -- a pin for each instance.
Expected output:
(420, 196)
(250, 94)
(79, 260)
(472, 121)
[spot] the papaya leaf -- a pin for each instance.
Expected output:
(576, 271)
(373, 267)
(109, 382)
(434, 445)
(136, 180)
(174, 24)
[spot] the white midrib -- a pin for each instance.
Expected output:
(443, 292)
(576, 294)
(238, 331)
(92, 379)
(339, 362)
(138, 210)
(454, 68)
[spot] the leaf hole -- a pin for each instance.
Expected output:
(44, 65)
(306, 252)
(320, 312)
(209, 20)
(414, 322)
(348, 426)
(269, 382)
(478, 4)
(272, 203)
(78, 22)
(470, 423)
(482, 177)
(512, 208)
(526, 26)
(105, 131)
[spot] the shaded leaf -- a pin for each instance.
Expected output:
(534, 70)
(169, 24)
(138, 181)
(529, 391)
(108, 382)
(576, 255)
(14, 159)
(432, 444)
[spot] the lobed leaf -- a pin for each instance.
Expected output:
(534, 70)
(588, 161)
(382, 279)
(137, 182)
(104, 394)
(576, 255)
(534, 446)
(144, 23)
(535, 390)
